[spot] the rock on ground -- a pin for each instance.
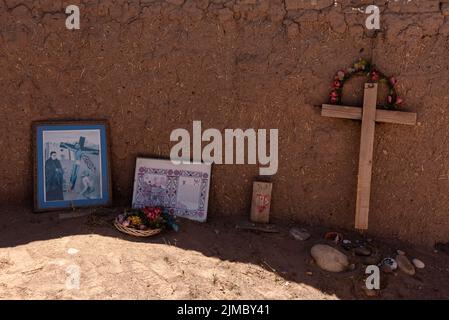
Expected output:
(329, 258)
(299, 234)
(405, 265)
(418, 263)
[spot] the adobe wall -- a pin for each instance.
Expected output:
(150, 67)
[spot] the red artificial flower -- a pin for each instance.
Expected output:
(399, 100)
(389, 99)
(334, 97)
(340, 75)
(393, 81)
(336, 84)
(152, 213)
(334, 94)
(375, 75)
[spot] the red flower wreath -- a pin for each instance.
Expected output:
(363, 67)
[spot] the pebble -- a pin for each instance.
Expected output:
(72, 251)
(418, 263)
(299, 234)
(372, 259)
(371, 293)
(405, 265)
(329, 258)
(400, 252)
(347, 244)
(362, 251)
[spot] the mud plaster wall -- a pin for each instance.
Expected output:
(153, 66)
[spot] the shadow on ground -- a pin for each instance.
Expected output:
(278, 253)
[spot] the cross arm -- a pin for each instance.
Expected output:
(355, 113)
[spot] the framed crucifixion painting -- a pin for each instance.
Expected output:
(71, 165)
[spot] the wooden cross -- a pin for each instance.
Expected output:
(369, 115)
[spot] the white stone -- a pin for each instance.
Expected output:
(418, 263)
(72, 251)
(329, 258)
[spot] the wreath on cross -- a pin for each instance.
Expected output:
(363, 67)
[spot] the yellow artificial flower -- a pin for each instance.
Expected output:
(135, 220)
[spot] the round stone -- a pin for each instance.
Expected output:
(329, 258)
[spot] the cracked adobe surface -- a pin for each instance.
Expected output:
(150, 67)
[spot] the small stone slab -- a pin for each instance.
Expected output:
(73, 214)
(257, 227)
(299, 234)
(362, 251)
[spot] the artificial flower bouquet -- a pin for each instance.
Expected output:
(146, 221)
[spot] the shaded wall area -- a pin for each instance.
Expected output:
(150, 67)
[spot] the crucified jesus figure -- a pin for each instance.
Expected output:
(81, 153)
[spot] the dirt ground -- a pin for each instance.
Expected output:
(214, 260)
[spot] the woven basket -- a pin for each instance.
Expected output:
(136, 232)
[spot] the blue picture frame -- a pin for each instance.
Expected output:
(71, 165)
